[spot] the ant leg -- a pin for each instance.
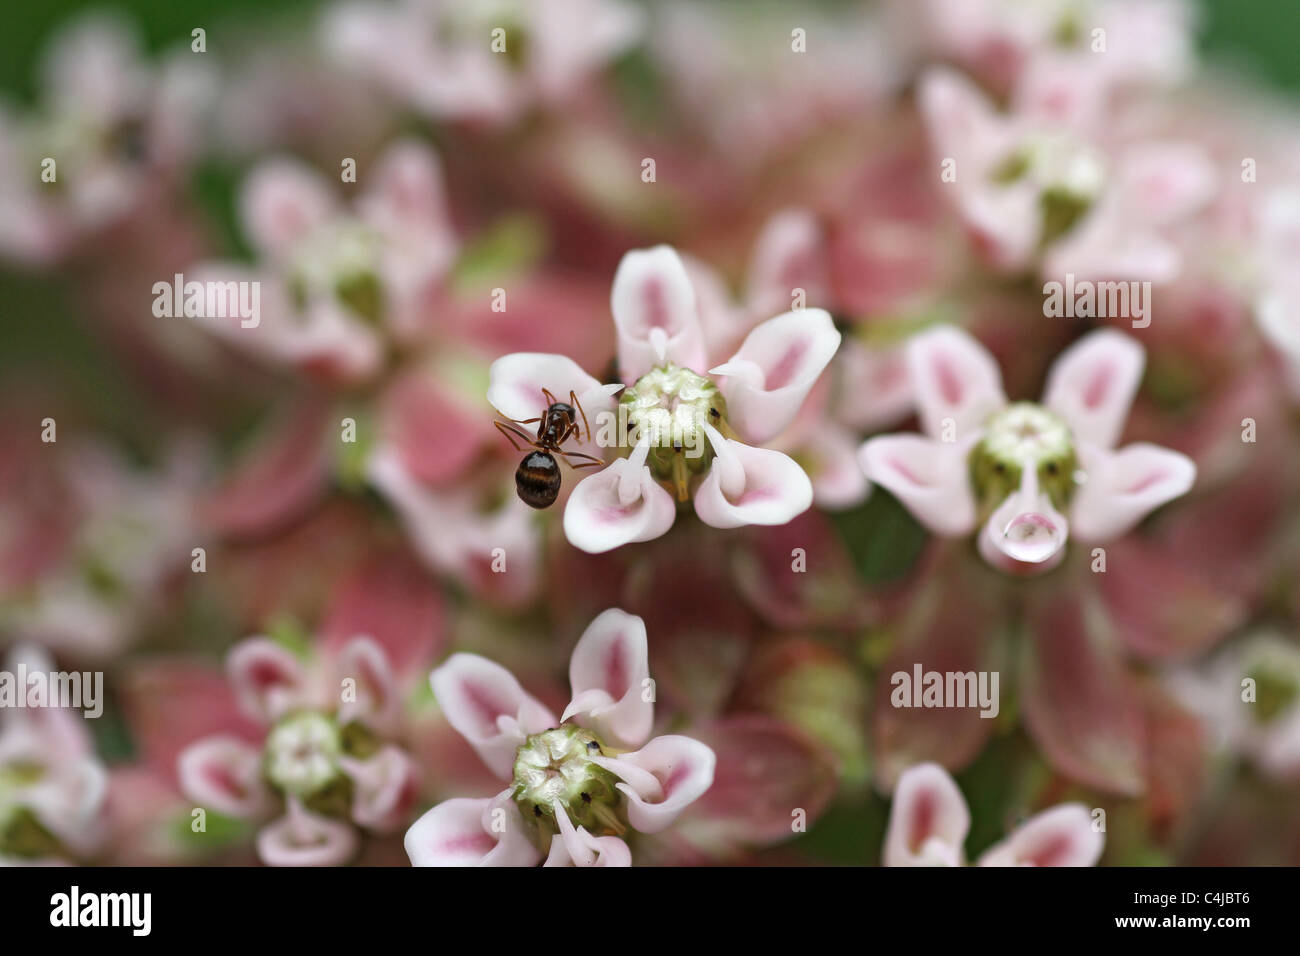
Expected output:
(590, 459)
(512, 433)
(586, 429)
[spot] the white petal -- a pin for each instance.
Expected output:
(1123, 487)
(375, 703)
(465, 832)
(747, 485)
(223, 773)
(607, 674)
(929, 819)
(618, 505)
(770, 376)
(384, 788)
(928, 477)
(1163, 182)
(1092, 384)
(1061, 836)
(517, 381)
(662, 779)
(301, 838)
(489, 708)
(654, 313)
(281, 201)
(267, 678)
(594, 851)
(954, 378)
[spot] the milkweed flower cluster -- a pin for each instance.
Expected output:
(601, 411)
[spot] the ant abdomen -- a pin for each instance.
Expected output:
(537, 480)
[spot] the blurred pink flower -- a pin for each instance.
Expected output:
(52, 785)
(444, 59)
(337, 287)
(117, 128)
(577, 783)
(327, 753)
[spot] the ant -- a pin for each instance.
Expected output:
(537, 479)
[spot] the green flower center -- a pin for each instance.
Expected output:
(342, 259)
(555, 767)
(1276, 693)
(302, 754)
(1024, 434)
(668, 407)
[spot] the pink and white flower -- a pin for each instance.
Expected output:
(338, 285)
(1037, 185)
(577, 784)
(52, 785)
(444, 59)
(929, 822)
(328, 757)
(115, 127)
(1028, 474)
(677, 427)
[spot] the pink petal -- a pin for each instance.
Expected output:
(777, 364)
(279, 478)
(281, 201)
(954, 626)
(58, 733)
(747, 485)
(394, 601)
(766, 769)
(462, 832)
(268, 679)
(1092, 384)
(607, 673)
(588, 851)
(654, 314)
(407, 194)
(618, 505)
(302, 838)
(517, 381)
(929, 820)
(574, 846)
(788, 255)
(1025, 535)
(1110, 245)
(1164, 182)
(376, 704)
(662, 779)
(485, 703)
(1123, 487)
(385, 788)
(886, 384)
(928, 477)
(953, 377)
(224, 774)
(438, 432)
(1061, 836)
(1080, 702)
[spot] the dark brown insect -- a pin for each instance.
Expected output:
(537, 479)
